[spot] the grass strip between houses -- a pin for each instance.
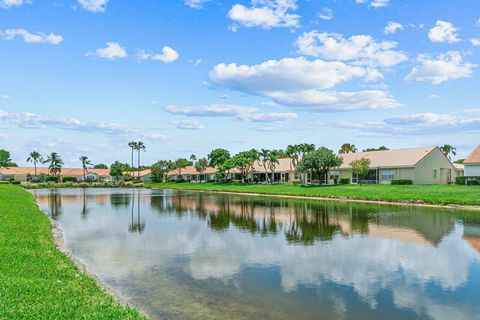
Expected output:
(415, 194)
(37, 280)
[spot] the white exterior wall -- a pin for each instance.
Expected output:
(472, 170)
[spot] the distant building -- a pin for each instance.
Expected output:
(25, 173)
(472, 164)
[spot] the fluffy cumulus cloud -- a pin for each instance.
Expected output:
(195, 4)
(375, 3)
(188, 124)
(392, 27)
(168, 55)
(444, 67)
(111, 51)
(466, 121)
(93, 5)
(358, 49)
(28, 120)
(29, 37)
(443, 31)
(475, 42)
(301, 83)
(326, 14)
(266, 14)
(243, 113)
(12, 3)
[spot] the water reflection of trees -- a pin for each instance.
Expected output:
(137, 224)
(302, 222)
(55, 204)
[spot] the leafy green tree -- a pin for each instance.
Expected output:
(347, 148)
(4, 159)
(159, 169)
(244, 161)
(226, 167)
(117, 169)
(86, 163)
(201, 165)
(459, 161)
(217, 157)
(448, 150)
(319, 162)
(361, 167)
(382, 148)
(35, 157)
(55, 164)
(100, 166)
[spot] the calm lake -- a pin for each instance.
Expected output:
(195, 255)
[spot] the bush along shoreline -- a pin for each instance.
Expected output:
(61, 185)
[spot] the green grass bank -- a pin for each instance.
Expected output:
(428, 194)
(37, 280)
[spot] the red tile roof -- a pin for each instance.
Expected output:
(474, 157)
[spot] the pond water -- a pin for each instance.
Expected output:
(196, 255)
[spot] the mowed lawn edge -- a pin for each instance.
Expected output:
(38, 281)
(412, 194)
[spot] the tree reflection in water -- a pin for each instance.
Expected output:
(136, 225)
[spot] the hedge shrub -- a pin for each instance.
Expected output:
(295, 182)
(471, 181)
(401, 182)
(51, 179)
(345, 180)
(69, 179)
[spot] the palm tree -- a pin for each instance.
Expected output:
(139, 147)
(35, 157)
(133, 146)
(55, 164)
(272, 163)
(348, 148)
(448, 149)
(193, 158)
(85, 163)
(263, 157)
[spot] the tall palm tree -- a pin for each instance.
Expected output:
(85, 163)
(139, 147)
(133, 146)
(348, 148)
(55, 164)
(35, 157)
(193, 158)
(263, 157)
(272, 163)
(448, 149)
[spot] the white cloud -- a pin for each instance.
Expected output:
(478, 23)
(12, 3)
(446, 66)
(28, 37)
(225, 110)
(4, 97)
(299, 83)
(392, 27)
(466, 121)
(168, 55)
(286, 74)
(358, 49)
(375, 3)
(195, 4)
(326, 14)
(111, 51)
(475, 42)
(443, 31)
(30, 120)
(188, 124)
(266, 14)
(93, 5)
(434, 96)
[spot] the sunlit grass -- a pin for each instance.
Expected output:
(37, 281)
(430, 194)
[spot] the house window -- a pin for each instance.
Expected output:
(354, 178)
(435, 173)
(334, 175)
(387, 174)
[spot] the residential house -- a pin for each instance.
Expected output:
(472, 164)
(25, 173)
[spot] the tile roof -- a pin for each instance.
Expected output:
(474, 157)
(140, 173)
(388, 158)
(44, 170)
(192, 170)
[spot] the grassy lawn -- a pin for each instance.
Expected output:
(431, 194)
(37, 281)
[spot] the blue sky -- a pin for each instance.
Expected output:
(87, 76)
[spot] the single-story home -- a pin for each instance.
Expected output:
(472, 164)
(426, 165)
(25, 173)
(144, 175)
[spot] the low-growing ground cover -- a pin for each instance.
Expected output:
(429, 194)
(37, 280)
